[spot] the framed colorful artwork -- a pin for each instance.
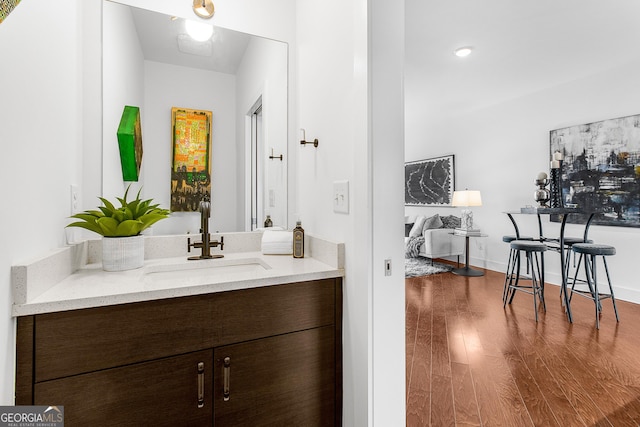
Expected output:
(191, 160)
(6, 6)
(429, 182)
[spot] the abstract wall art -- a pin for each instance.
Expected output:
(601, 169)
(429, 182)
(190, 170)
(130, 143)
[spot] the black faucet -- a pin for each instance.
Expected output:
(206, 243)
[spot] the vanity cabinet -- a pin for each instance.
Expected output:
(159, 392)
(262, 356)
(287, 379)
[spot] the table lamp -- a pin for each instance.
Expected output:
(466, 198)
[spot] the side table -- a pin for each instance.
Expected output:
(466, 270)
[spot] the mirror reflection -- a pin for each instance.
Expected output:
(151, 61)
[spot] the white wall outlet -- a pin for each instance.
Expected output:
(341, 196)
(75, 199)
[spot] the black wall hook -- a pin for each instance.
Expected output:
(275, 157)
(304, 141)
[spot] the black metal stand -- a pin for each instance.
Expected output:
(466, 270)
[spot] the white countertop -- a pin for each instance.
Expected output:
(159, 278)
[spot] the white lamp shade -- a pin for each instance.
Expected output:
(466, 198)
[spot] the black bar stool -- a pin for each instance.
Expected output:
(508, 278)
(534, 252)
(568, 246)
(590, 252)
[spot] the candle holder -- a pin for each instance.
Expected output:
(556, 180)
(541, 195)
(556, 188)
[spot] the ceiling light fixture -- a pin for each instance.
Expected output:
(462, 52)
(204, 8)
(198, 31)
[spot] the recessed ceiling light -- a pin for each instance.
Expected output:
(461, 52)
(198, 30)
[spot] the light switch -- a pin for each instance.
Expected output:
(341, 196)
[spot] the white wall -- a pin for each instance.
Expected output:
(263, 73)
(500, 150)
(326, 60)
(349, 98)
(91, 28)
(200, 90)
(386, 139)
(41, 130)
(122, 84)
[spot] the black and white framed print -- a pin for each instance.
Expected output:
(429, 182)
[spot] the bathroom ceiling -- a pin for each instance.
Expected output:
(520, 47)
(158, 35)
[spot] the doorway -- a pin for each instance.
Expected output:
(256, 150)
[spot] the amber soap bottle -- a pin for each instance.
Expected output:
(298, 241)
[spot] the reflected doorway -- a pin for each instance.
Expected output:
(257, 165)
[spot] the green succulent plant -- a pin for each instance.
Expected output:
(130, 219)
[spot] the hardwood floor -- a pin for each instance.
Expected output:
(472, 363)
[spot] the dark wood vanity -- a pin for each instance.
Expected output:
(261, 356)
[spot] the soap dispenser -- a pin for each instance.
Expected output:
(298, 241)
(267, 222)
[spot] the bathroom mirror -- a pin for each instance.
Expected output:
(150, 61)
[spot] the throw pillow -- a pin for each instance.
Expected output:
(407, 229)
(451, 221)
(416, 230)
(432, 222)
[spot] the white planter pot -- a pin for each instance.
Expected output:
(122, 253)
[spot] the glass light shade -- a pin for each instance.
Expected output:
(466, 198)
(198, 31)
(463, 51)
(203, 8)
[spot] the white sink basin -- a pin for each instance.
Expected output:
(202, 271)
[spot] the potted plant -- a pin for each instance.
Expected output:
(122, 243)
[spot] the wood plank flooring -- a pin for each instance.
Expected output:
(472, 363)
